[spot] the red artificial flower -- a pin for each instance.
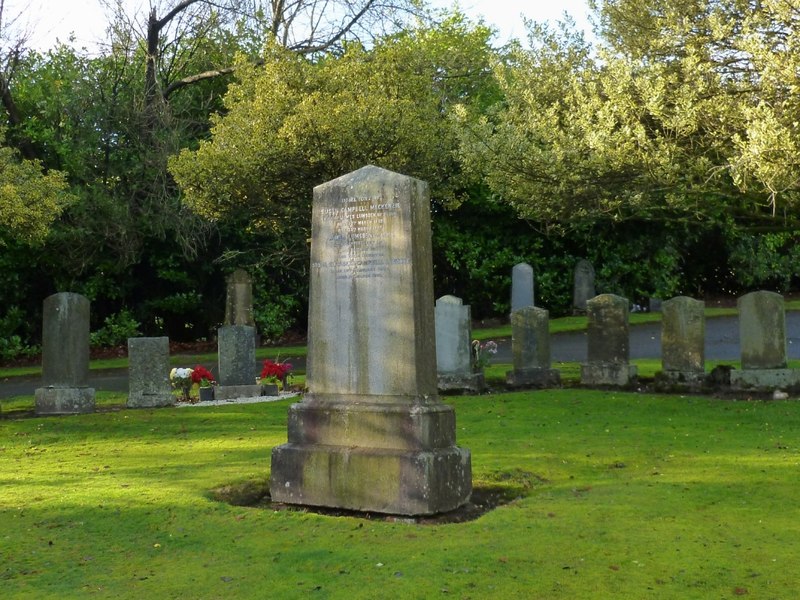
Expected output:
(200, 373)
(277, 370)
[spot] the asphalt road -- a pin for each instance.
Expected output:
(722, 343)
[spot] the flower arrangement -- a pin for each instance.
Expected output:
(202, 377)
(181, 379)
(275, 372)
(481, 353)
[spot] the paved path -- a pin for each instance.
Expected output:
(722, 343)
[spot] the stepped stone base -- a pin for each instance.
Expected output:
(473, 382)
(765, 379)
(232, 392)
(539, 378)
(64, 400)
(618, 374)
(394, 458)
(150, 400)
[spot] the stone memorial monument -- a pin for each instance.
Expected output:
(521, 286)
(530, 349)
(453, 351)
(762, 339)
(239, 299)
(237, 363)
(148, 373)
(65, 357)
(583, 286)
(608, 342)
(683, 333)
(371, 434)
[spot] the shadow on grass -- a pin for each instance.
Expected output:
(497, 489)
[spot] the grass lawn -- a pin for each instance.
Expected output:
(621, 495)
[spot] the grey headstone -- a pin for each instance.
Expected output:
(65, 356)
(762, 330)
(237, 355)
(530, 348)
(583, 285)
(608, 343)
(148, 372)
(521, 286)
(239, 299)
(371, 433)
(683, 330)
(453, 351)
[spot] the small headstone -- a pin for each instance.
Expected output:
(583, 285)
(762, 339)
(65, 357)
(608, 344)
(148, 373)
(371, 434)
(683, 330)
(239, 299)
(237, 362)
(530, 348)
(654, 305)
(453, 351)
(521, 286)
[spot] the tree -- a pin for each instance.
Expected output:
(685, 112)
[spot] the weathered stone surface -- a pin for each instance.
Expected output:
(583, 285)
(232, 392)
(453, 351)
(65, 357)
(522, 286)
(148, 373)
(530, 349)
(371, 434)
(65, 340)
(762, 330)
(239, 299)
(608, 342)
(453, 329)
(237, 355)
(683, 331)
(766, 379)
(64, 400)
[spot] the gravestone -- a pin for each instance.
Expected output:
(608, 342)
(762, 339)
(521, 286)
(65, 357)
(453, 350)
(236, 354)
(530, 349)
(683, 331)
(583, 285)
(239, 299)
(148, 373)
(371, 434)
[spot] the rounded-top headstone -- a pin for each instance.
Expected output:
(583, 284)
(522, 293)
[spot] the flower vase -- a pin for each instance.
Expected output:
(270, 389)
(206, 394)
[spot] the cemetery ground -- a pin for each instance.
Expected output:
(608, 494)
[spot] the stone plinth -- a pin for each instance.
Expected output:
(371, 434)
(766, 379)
(232, 392)
(608, 342)
(65, 357)
(148, 373)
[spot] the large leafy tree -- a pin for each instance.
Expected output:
(684, 112)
